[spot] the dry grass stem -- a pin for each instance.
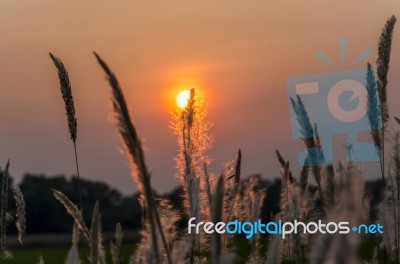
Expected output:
(20, 222)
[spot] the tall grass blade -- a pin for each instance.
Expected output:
(3, 212)
(134, 147)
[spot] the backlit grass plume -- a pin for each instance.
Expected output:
(252, 200)
(374, 115)
(389, 210)
(3, 211)
(5, 216)
(315, 160)
(373, 108)
(66, 92)
(191, 128)
(234, 192)
(74, 212)
(350, 204)
(93, 235)
(20, 221)
(382, 63)
(294, 205)
(116, 247)
(97, 254)
(134, 148)
(194, 141)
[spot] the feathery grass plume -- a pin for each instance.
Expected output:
(350, 204)
(169, 221)
(66, 91)
(283, 164)
(394, 176)
(134, 147)
(73, 255)
(235, 191)
(231, 175)
(20, 222)
(274, 248)
(382, 62)
(65, 86)
(3, 212)
(295, 204)
(144, 252)
(373, 108)
(289, 210)
(232, 196)
(97, 255)
(389, 207)
(170, 218)
(116, 248)
(303, 174)
(217, 209)
(310, 142)
(191, 128)
(374, 114)
(102, 253)
(323, 173)
(74, 212)
(252, 201)
(94, 235)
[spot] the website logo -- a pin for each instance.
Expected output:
(337, 103)
(249, 229)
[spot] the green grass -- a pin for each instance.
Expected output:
(57, 255)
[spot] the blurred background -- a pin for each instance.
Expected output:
(238, 55)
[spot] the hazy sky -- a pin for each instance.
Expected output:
(237, 53)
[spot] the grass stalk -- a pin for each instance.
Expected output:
(134, 147)
(66, 92)
(3, 211)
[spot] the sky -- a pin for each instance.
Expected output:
(237, 54)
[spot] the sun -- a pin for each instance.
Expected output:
(182, 98)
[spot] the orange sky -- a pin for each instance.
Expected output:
(237, 53)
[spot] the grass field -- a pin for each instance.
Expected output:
(56, 255)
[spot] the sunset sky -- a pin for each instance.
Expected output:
(237, 54)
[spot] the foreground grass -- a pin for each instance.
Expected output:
(52, 255)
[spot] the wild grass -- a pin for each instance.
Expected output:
(337, 196)
(6, 217)
(66, 92)
(3, 212)
(20, 221)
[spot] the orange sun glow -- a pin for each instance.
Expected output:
(182, 98)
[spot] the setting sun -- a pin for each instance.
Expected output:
(182, 98)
